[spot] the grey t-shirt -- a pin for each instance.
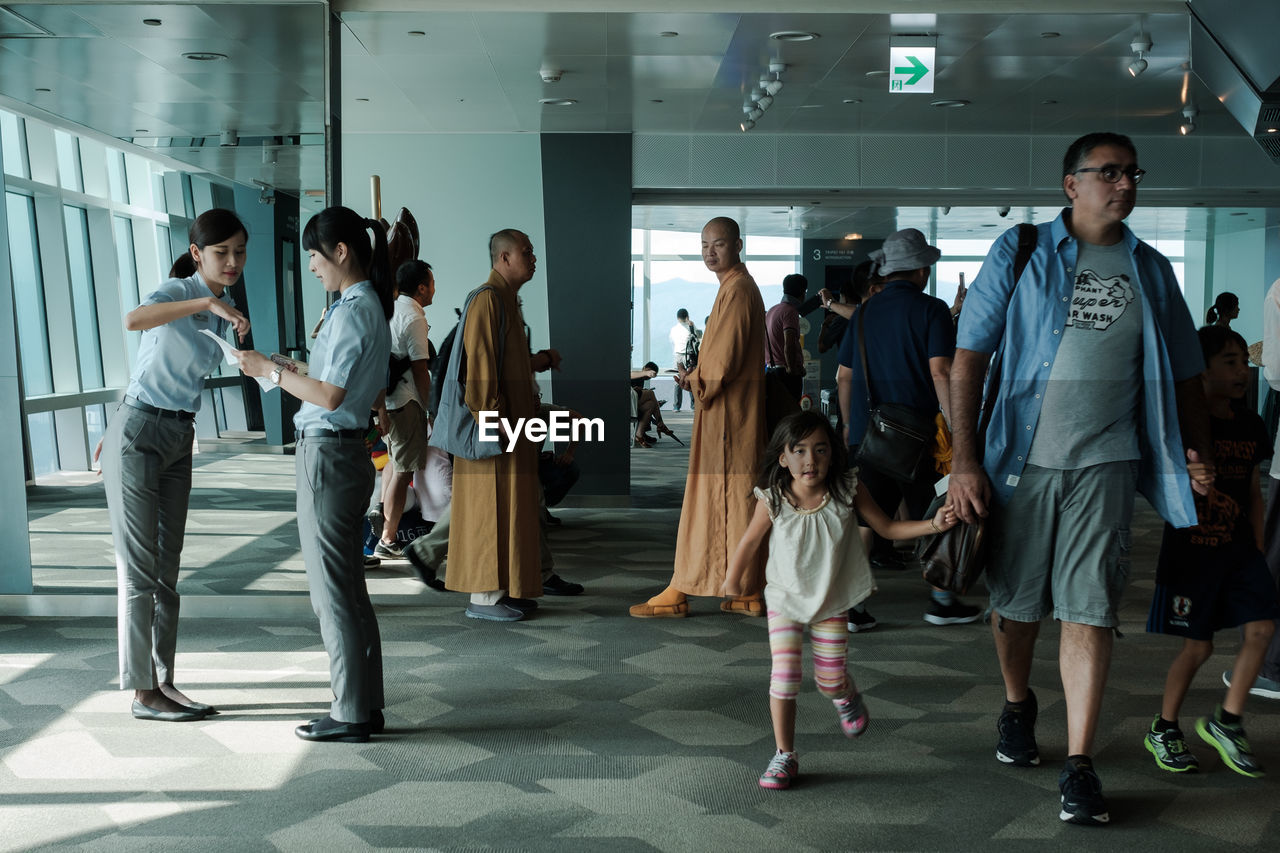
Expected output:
(1095, 387)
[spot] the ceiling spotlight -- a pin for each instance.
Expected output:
(946, 208)
(228, 139)
(550, 74)
(765, 102)
(773, 87)
(746, 125)
(756, 114)
(1141, 45)
(1189, 113)
(793, 35)
(1002, 211)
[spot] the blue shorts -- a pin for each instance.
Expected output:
(1233, 588)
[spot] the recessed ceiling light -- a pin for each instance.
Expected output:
(815, 202)
(1273, 129)
(668, 34)
(655, 100)
(204, 56)
(878, 73)
(43, 89)
(151, 22)
(810, 107)
(363, 100)
(417, 33)
(1048, 101)
(1049, 35)
(853, 100)
(1239, 213)
(140, 130)
(557, 102)
(950, 103)
(853, 235)
(794, 35)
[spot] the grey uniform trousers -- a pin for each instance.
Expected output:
(334, 480)
(146, 469)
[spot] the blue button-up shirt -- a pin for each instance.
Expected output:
(1022, 323)
(352, 352)
(174, 359)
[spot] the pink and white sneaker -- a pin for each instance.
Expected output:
(853, 715)
(781, 772)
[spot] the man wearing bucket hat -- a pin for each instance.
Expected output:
(909, 340)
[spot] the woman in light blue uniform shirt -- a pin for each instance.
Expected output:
(347, 377)
(146, 457)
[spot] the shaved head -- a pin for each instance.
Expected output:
(506, 240)
(730, 227)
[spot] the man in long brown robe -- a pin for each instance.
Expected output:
(493, 538)
(728, 436)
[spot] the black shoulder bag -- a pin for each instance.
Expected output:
(899, 439)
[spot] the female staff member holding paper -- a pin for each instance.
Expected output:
(346, 378)
(146, 459)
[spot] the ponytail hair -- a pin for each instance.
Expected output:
(335, 225)
(1225, 302)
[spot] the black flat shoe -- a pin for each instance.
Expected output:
(556, 585)
(144, 712)
(328, 729)
(524, 605)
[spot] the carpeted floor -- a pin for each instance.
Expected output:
(580, 729)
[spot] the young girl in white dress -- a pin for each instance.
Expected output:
(817, 569)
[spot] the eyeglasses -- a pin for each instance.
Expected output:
(1111, 173)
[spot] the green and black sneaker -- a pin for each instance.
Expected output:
(1231, 744)
(1170, 749)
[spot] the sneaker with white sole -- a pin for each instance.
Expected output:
(1266, 688)
(861, 621)
(955, 613)
(1082, 800)
(1170, 749)
(1017, 729)
(388, 551)
(853, 715)
(1231, 744)
(781, 772)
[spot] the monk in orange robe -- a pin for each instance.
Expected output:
(728, 436)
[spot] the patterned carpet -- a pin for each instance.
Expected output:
(580, 729)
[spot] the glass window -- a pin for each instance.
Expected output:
(127, 273)
(14, 136)
(83, 298)
(44, 443)
(69, 176)
(162, 250)
(28, 295)
(95, 419)
(946, 277)
(115, 176)
(158, 200)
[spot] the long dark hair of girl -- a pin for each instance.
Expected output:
(335, 225)
(1225, 302)
(776, 479)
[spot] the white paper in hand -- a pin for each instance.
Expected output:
(229, 354)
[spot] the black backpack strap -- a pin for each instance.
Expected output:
(1028, 234)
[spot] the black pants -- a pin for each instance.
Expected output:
(888, 493)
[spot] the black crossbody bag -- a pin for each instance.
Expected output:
(899, 439)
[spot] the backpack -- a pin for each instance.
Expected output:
(439, 361)
(456, 430)
(691, 347)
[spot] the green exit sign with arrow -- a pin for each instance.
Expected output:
(911, 69)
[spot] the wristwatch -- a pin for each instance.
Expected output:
(275, 376)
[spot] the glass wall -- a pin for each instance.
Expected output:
(668, 274)
(87, 216)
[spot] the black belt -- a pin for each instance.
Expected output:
(176, 414)
(319, 432)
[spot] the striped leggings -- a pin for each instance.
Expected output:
(830, 646)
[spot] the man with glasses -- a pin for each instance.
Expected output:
(1096, 394)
